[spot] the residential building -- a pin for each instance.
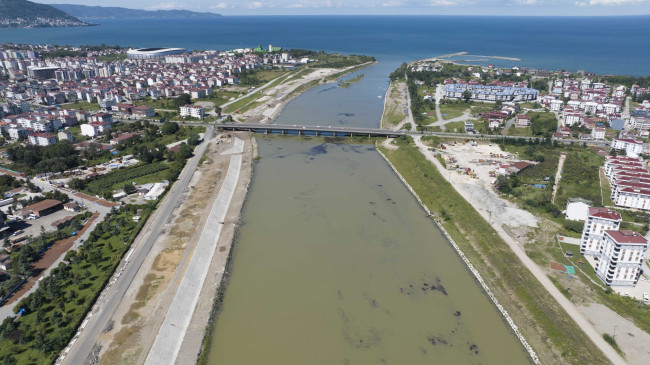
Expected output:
(143, 112)
(632, 147)
(41, 139)
(577, 209)
(598, 221)
(95, 128)
(194, 111)
(598, 133)
(622, 256)
(490, 93)
(65, 136)
(522, 121)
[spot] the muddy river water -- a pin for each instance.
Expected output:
(336, 263)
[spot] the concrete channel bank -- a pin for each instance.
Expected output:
(477, 275)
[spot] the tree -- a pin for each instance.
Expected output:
(128, 188)
(170, 128)
(218, 110)
(467, 95)
(504, 184)
(613, 152)
(193, 139)
(184, 151)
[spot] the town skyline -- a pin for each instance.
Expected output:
(391, 7)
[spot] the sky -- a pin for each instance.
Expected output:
(387, 7)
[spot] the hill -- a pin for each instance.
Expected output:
(26, 14)
(102, 12)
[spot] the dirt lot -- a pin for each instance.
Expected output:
(480, 188)
(139, 316)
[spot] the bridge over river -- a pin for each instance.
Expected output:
(340, 131)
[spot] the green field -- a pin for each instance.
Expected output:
(550, 330)
(82, 105)
(454, 110)
(520, 131)
(580, 178)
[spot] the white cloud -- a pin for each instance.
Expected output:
(254, 5)
(442, 3)
(314, 4)
(392, 4)
(608, 2)
(168, 6)
(220, 6)
(527, 2)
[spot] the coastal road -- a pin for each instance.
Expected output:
(83, 346)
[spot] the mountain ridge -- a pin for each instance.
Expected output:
(27, 14)
(112, 12)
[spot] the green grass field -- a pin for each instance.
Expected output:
(580, 178)
(82, 105)
(454, 110)
(520, 131)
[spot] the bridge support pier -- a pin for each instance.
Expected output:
(334, 134)
(300, 133)
(284, 131)
(317, 133)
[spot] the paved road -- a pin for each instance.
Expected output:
(143, 243)
(565, 303)
(440, 92)
(177, 319)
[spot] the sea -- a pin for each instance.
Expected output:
(603, 45)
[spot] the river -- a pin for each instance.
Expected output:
(336, 263)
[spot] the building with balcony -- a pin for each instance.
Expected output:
(621, 259)
(598, 221)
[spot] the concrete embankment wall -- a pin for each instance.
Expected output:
(471, 268)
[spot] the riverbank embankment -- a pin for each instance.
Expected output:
(539, 318)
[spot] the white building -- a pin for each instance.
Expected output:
(598, 133)
(556, 105)
(621, 259)
(598, 221)
(156, 190)
(632, 147)
(633, 197)
(95, 128)
(41, 139)
(194, 111)
(577, 209)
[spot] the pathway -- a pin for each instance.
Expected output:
(541, 276)
(177, 320)
(558, 176)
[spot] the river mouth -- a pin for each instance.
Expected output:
(337, 264)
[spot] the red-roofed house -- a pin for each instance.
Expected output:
(621, 258)
(632, 147)
(598, 220)
(41, 139)
(143, 111)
